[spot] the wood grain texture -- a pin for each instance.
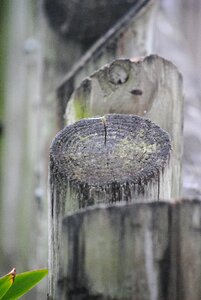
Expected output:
(185, 273)
(131, 36)
(116, 252)
(104, 160)
(140, 251)
(149, 87)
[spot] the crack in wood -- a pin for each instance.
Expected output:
(103, 119)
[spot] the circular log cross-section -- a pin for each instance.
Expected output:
(113, 158)
(104, 160)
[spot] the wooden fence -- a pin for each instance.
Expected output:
(102, 244)
(115, 230)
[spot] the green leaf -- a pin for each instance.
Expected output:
(23, 283)
(6, 282)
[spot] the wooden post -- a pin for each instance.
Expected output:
(103, 160)
(131, 36)
(118, 252)
(150, 87)
(146, 251)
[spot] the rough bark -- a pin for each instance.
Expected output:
(103, 160)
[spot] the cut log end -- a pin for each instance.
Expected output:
(112, 149)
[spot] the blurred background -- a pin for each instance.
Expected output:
(37, 48)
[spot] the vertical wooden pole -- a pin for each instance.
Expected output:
(103, 160)
(131, 36)
(118, 252)
(150, 87)
(138, 251)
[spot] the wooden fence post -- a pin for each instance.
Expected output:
(118, 252)
(150, 87)
(131, 36)
(146, 251)
(103, 160)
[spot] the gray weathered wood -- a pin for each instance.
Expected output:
(149, 251)
(103, 160)
(131, 36)
(185, 271)
(116, 252)
(150, 87)
(182, 45)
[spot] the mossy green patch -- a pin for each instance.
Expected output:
(81, 109)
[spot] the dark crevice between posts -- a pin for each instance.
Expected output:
(76, 268)
(165, 262)
(175, 249)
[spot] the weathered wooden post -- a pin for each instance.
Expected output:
(146, 251)
(121, 253)
(149, 86)
(106, 159)
(131, 36)
(99, 160)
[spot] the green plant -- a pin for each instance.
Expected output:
(13, 286)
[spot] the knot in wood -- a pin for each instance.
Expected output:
(114, 149)
(118, 73)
